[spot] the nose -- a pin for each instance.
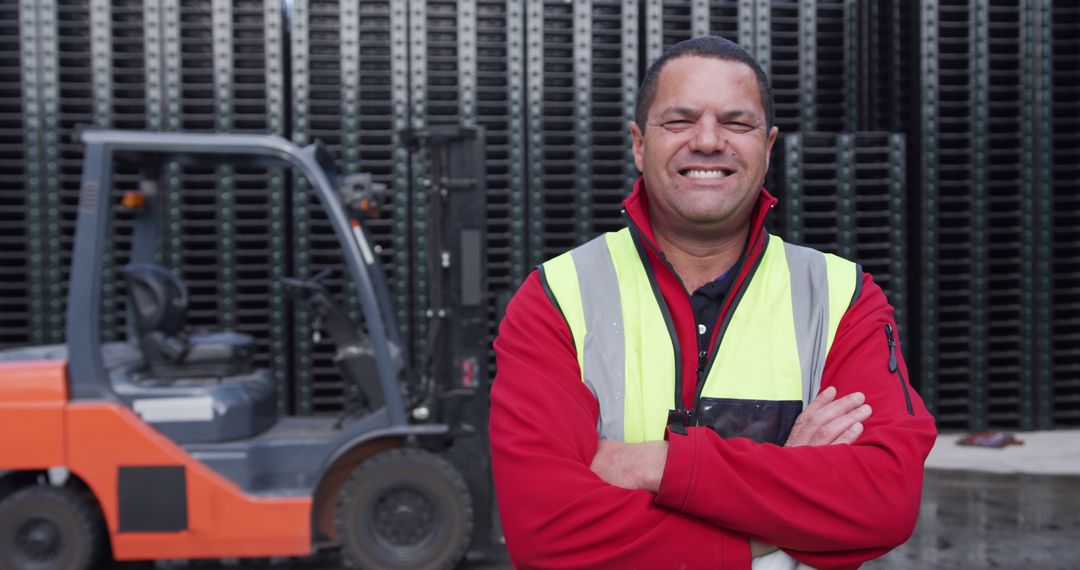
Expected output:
(707, 137)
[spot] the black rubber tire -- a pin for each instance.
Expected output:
(49, 528)
(404, 508)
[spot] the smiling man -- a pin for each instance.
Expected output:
(691, 391)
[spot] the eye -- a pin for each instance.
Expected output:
(677, 124)
(739, 127)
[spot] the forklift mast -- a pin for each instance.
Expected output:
(454, 364)
(453, 373)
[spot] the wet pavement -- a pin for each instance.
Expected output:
(973, 520)
(990, 520)
(969, 520)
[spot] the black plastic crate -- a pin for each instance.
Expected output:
(1009, 400)
(980, 189)
(834, 92)
(811, 62)
(259, 202)
(74, 107)
(232, 242)
(677, 23)
(1065, 216)
(845, 193)
(499, 109)
(556, 207)
(887, 52)
(960, 228)
(104, 86)
(784, 65)
(612, 73)
(581, 64)
(667, 22)
(17, 195)
(349, 92)
(730, 19)
(194, 190)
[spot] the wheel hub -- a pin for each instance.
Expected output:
(38, 539)
(404, 517)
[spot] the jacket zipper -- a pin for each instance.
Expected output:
(704, 362)
(705, 359)
(894, 366)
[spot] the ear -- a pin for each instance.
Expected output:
(769, 144)
(638, 146)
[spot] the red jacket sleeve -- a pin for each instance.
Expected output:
(833, 506)
(556, 513)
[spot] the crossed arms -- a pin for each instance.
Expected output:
(568, 500)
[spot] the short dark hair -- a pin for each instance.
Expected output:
(702, 46)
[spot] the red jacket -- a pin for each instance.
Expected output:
(830, 507)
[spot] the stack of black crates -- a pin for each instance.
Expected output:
(985, 254)
(934, 142)
(1058, 225)
(21, 312)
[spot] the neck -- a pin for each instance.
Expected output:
(701, 258)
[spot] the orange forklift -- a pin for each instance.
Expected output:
(170, 444)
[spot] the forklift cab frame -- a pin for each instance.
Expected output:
(88, 377)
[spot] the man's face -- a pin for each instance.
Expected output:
(706, 149)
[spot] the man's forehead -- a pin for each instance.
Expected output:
(704, 65)
(679, 85)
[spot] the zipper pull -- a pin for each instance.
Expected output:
(892, 347)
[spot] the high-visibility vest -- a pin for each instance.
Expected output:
(766, 364)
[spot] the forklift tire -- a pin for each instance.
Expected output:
(49, 528)
(404, 508)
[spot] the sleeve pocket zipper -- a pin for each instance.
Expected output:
(895, 367)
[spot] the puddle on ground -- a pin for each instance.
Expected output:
(986, 520)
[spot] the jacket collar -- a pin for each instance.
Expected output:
(636, 207)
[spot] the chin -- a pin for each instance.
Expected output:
(707, 217)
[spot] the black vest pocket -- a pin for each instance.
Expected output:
(763, 421)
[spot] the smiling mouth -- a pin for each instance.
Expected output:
(707, 173)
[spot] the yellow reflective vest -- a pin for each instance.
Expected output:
(769, 354)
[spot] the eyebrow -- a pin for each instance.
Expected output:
(739, 114)
(680, 112)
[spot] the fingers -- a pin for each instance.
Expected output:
(825, 415)
(850, 435)
(832, 432)
(826, 420)
(823, 398)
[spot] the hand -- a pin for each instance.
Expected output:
(828, 421)
(630, 465)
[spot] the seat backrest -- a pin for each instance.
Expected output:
(157, 297)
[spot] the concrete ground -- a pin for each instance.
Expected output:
(1013, 507)
(982, 508)
(1043, 453)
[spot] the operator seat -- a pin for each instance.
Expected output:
(158, 300)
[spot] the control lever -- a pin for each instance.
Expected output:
(362, 195)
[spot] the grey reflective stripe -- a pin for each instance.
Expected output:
(810, 309)
(604, 360)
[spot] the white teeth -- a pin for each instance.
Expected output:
(705, 174)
